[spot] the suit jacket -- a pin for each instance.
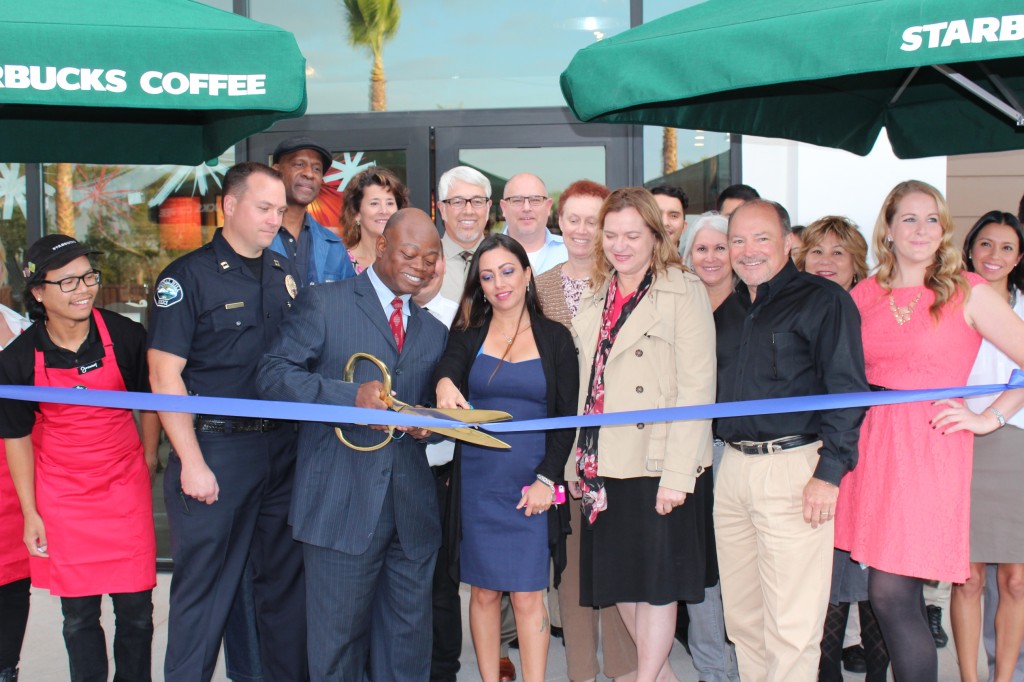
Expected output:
(664, 356)
(338, 491)
(561, 378)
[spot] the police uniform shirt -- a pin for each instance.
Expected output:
(17, 364)
(210, 309)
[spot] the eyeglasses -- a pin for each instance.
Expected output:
(459, 203)
(534, 199)
(69, 284)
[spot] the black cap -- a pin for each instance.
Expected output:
(50, 252)
(294, 144)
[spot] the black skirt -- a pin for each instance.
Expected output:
(633, 554)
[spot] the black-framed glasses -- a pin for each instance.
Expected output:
(534, 200)
(69, 284)
(459, 203)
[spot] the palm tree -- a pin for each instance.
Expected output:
(63, 203)
(370, 24)
(669, 161)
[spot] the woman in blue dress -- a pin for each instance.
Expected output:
(504, 354)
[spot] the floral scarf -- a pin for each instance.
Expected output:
(594, 497)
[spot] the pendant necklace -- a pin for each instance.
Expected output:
(903, 313)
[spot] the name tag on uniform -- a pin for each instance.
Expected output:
(233, 306)
(83, 369)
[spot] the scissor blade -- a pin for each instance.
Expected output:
(474, 436)
(475, 416)
(466, 416)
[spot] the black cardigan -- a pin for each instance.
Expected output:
(560, 364)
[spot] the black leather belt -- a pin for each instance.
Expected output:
(767, 447)
(208, 424)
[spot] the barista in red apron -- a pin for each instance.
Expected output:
(14, 580)
(81, 474)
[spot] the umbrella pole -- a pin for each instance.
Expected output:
(983, 94)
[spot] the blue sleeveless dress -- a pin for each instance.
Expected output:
(502, 548)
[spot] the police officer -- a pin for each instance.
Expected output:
(229, 480)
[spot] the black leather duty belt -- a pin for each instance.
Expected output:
(768, 447)
(207, 424)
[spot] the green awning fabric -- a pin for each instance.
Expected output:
(828, 72)
(139, 81)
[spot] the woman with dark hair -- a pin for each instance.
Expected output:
(646, 339)
(504, 354)
(371, 197)
(993, 249)
(83, 473)
(904, 511)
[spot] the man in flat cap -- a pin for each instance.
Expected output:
(317, 255)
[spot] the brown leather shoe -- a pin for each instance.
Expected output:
(506, 670)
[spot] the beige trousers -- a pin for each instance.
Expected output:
(776, 570)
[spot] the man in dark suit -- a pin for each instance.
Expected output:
(367, 520)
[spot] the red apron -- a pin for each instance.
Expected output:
(13, 554)
(92, 488)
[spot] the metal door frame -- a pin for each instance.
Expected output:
(431, 139)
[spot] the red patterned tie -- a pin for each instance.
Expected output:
(396, 323)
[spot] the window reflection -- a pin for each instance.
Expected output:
(140, 217)
(557, 167)
(12, 234)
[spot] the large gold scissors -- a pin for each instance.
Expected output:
(468, 434)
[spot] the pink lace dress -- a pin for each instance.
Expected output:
(905, 508)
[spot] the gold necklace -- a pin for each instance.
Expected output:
(903, 313)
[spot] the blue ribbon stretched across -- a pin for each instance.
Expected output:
(334, 414)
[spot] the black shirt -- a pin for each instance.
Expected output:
(299, 251)
(800, 336)
(17, 364)
(210, 309)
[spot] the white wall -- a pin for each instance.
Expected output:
(813, 181)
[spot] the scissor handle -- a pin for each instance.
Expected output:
(348, 375)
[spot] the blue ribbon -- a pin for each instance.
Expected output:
(335, 414)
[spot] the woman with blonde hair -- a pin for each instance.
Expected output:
(904, 511)
(559, 291)
(645, 337)
(371, 198)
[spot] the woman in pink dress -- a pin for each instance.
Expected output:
(904, 511)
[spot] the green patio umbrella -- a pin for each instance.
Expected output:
(942, 76)
(139, 81)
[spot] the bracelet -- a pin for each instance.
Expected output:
(999, 416)
(548, 482)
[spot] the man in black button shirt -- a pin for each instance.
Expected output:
(782, 333)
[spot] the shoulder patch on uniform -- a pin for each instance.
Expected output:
(168, 292)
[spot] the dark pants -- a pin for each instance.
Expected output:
(447, 647)
(13, 618)
(133, 637)
(369, 611)
(241, 638)
(211, 545)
